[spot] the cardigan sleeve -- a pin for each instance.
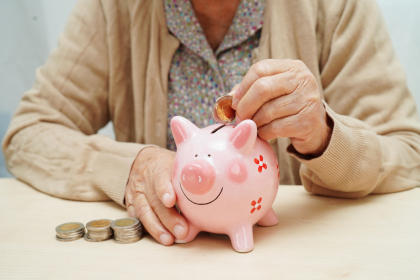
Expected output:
(375, 142)
(52, 143)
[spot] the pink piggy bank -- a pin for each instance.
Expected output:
(225, 179)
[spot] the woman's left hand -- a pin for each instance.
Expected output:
(282, 97)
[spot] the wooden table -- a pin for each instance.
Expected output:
(317, 238)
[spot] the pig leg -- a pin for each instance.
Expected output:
(242, 238)
(269, 219)
(192, 233)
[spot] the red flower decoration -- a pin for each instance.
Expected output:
(261, 163)
(256, 205)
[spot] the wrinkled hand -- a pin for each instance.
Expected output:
(151, 197)
(282, 97)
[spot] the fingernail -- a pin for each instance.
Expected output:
(233, 105)
(179, 231)
(235, 88)
(232, 92)
(131, 211)
(234, 98)
(234, 102)
(166, 198)
(165, 238)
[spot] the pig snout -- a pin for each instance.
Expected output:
(198, 177)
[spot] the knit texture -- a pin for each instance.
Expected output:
(113, 61)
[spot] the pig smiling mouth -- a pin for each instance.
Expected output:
(205, 203)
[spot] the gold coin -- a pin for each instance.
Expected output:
(99, 223)
(69, 227)
(124, 222)
(223, 111)
(70, 231)
(127, 230)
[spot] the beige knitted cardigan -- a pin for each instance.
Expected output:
(112, 63)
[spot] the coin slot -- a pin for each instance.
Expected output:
(217, 128)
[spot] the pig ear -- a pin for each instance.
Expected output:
(182, 129)
(244, 135)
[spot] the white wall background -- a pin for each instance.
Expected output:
(29, 31)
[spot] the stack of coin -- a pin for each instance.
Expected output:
(98, 230)
(127, 230)
(70, 231)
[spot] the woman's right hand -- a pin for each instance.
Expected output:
(150, 196)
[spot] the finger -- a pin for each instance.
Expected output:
(263, 68)
(278, 108)
(234, 89)
(129, 195)
(162, 183)
(295, 126)
(264, 90)
(172, 220)
(169, 217)
(131, 211)
(165, 190)
(134, 184)
(150, 221)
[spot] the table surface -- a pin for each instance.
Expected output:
(317, 238)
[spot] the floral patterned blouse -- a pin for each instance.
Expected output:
(198, 75)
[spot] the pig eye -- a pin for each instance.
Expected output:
(195, 155)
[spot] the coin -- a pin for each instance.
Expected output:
(70, 231)
(98, 230)
(67, 239)
(127, 230)
(223, 111)
(125, 222)
(99, 224)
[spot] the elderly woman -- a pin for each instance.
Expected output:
(319, 78)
